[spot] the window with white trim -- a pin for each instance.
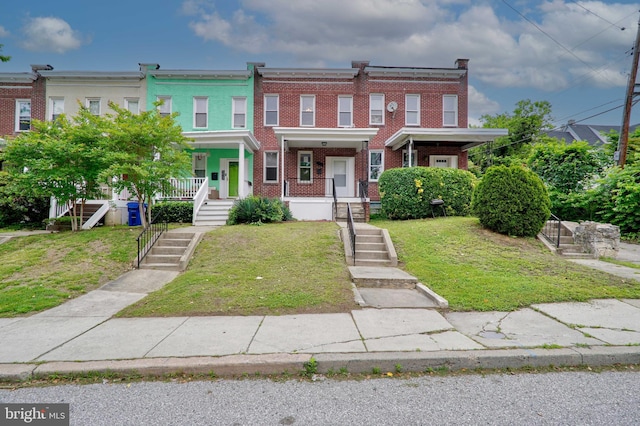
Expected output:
(412, 110)
(443, 161)
(93, 104)
(271, 108)
(239, 113)
(56, 106)
(199, 164)
(376, 109)
(271, 166)
(132, 105)
(200, 112)
(23, 115)
(450, 110)
(165, 108)
(307, 110)
(405, 158)
(345, 111)
(305, 159)
(376, 164)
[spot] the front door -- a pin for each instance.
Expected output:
(233, 179)
(341, 170)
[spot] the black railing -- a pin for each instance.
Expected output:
(335, 199)
(351, 227)
(317, 187)
(552, 229)
(363, 189)
(149, 236)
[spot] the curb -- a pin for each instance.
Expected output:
(364, 362)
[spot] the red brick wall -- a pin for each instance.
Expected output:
(327, 91)
(10, 92)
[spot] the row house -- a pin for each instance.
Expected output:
(314, 137)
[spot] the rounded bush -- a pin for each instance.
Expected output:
(406, 193)
(511, 200)
(254, 209)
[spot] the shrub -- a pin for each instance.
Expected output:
(511, 200)
(405, 193)
(617, 198)
(254, 209)
(20, 208)
(173, 211)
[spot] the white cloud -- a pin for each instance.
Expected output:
(50, 34)
(479, 105)
(3, 32)
(567, 46)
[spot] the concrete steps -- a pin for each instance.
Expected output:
(213, 213)
(567, 247)
(171, 252)
(371, 248)
(357, 211)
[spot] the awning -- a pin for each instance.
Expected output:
(223, 139)
(463, 138)
(312, 137)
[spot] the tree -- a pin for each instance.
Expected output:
(146, 150)
(633, 146)
(525, 126)
(61, 159)
(4, 58)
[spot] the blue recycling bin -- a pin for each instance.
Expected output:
(134, 213)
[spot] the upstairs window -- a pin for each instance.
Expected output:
(307, 110)
(239, 113)
(93, 104)
(57, 108)
(412, 110)
(376, 109)
(23, 115)
(345, 111)
(271, 106)
(165, 108)
(200, 112)
(450, 110)
(132, 105)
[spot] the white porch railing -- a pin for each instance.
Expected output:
(201, 195)
(185, 188)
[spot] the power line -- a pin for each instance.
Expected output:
(598, 16)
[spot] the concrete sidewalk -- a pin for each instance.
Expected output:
(82, 336)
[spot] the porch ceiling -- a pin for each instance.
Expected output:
(464, 138)
(312, 137)
(224, 139)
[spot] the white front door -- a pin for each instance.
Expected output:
(341, 169)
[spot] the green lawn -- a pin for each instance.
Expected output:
(284, 268)
(42, 271)
(475, 269)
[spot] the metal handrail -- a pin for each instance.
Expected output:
(352, 232)
(148, 237)
(335, 199)
(552, 229)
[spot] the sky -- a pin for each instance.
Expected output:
(577, 55)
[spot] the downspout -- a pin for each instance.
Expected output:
(241, 170)
(282, 142)
(410, 150)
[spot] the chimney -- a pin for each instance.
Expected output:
(462, 64)
(359, 64)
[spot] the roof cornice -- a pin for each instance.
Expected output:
(330, 73)
(17, 77)
(415, 72)
(202, 74)
(93, 75)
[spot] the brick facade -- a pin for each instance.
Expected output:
(18, 86)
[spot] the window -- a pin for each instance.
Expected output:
(239, 113)
(94, 105)
(304, 166)
(405, 158)
(165, 108)
(376, 164)
(271, 104)
(345, 111)
(307, 110)
(412, 110)
(56, 107)
(200, 112)
(200, 164)
(443, 161)
(376, 109)
(450, 110)
(23, 115)
(271, 166)
(132, 105)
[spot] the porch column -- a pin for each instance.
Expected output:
(282, 141)
(241, 170)
(410, 153)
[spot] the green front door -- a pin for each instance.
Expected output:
(233, 178)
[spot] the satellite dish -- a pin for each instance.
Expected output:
(392, 106)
